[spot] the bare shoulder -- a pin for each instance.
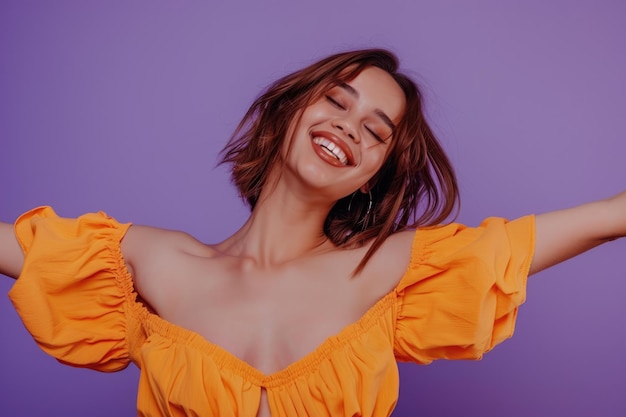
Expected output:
(399, 242)
(144, 242)
(391, 261)
(153, 255)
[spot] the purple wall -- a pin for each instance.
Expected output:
(124, 107)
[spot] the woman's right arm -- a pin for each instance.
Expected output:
(11, 256)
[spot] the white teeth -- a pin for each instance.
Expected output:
(333, 149)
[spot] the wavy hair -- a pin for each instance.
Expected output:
(415, 187)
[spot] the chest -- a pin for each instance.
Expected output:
(267, 320)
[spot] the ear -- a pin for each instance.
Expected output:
(367, 187)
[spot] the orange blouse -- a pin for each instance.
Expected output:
(457, 300)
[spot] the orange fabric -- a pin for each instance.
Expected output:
(458, 299)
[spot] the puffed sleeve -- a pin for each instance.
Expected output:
(73, 289)
(460, 295)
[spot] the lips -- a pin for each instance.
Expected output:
(332, 149)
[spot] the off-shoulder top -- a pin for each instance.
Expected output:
(458, 299)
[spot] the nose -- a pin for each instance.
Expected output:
(345, 127)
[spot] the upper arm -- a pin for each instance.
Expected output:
(152, 257)
(143, 248)
(11, 256)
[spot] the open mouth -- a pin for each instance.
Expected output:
(331, 149)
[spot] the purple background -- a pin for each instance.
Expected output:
(124, 106)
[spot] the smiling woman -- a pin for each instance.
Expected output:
(342, 269)
(362, 106)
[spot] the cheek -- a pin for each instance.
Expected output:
(376, 156)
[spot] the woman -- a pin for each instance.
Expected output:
(305, 309)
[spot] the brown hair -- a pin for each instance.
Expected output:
(416, 185)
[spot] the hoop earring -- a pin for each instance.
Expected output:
(366, 218)
(350, 203)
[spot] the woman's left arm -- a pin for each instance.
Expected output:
(563, 234)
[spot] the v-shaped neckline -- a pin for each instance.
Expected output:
(225, 359)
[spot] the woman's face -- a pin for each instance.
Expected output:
(342, 139)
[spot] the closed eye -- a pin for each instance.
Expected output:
(335, 102)
(374, 134)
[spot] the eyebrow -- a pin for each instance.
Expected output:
(353, 92)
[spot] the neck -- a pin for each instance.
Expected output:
(283, 226)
